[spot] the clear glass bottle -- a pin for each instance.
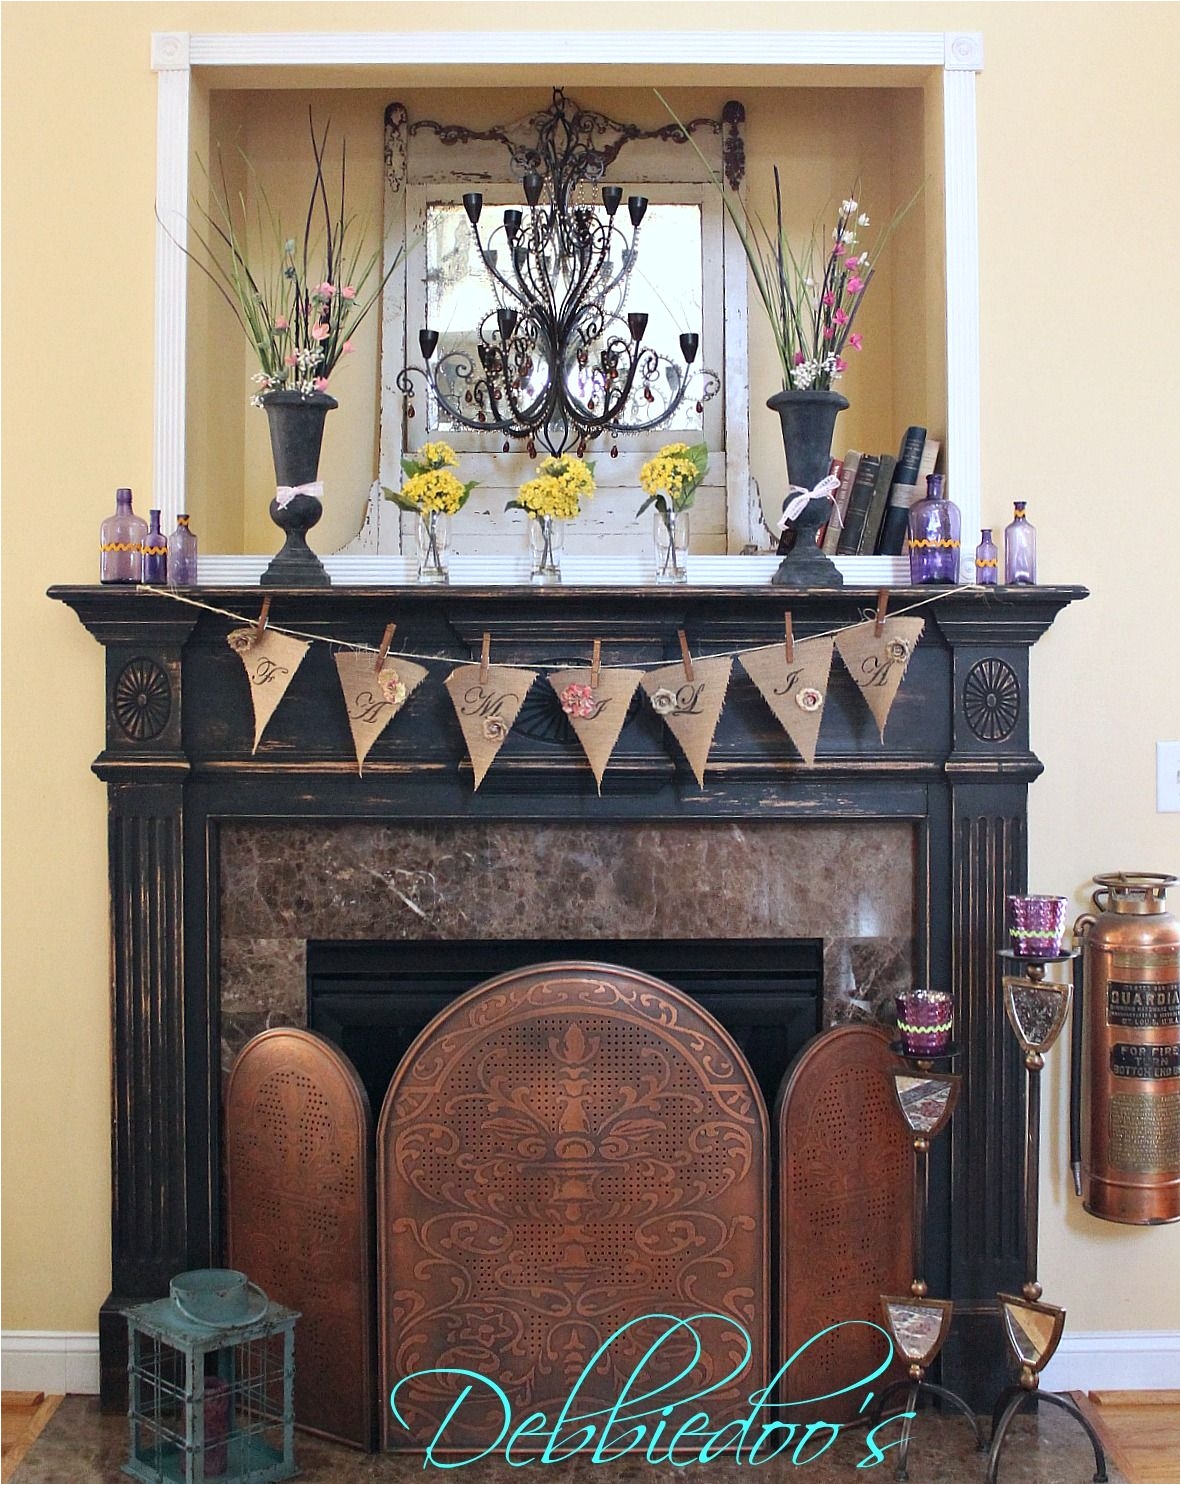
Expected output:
(547, 536)
(432, 532)
(670, 530)
(182, 555)
(934, 536)
(1020, 548)
(155, 563)
(986, 559)
(121, 543)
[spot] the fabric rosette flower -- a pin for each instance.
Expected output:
(671, 477)
(558, 488)
(663, 701)
(809, 699)
(578, 701)
(430, 484)
(898, 649)
(392, 687)
(495, 729)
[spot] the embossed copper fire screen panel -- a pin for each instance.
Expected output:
(300, 1216)
(845, 1199)
(565, 1150)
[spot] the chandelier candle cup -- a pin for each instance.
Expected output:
(670, 481)
(1036, 926)
(925, 1022)
(434, 494)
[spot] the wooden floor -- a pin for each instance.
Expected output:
(22, 1417)
(1139, 1430)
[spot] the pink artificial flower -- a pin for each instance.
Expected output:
(828, 332)
(290, 359)
(798, 359)
(281, 322)
(841, 317)
(855, 285)
(325, 290)
(841, 363)
(348, 292)
(321, 331)
(855, 340)
(827, 299)
(851, 261)
(347, 348)
(321, 384)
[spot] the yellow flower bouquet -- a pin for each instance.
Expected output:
(555, 494)
(434, 492)
(670, 480)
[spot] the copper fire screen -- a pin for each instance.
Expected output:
(565, 1150)
(298, 1131)
(845, 1198)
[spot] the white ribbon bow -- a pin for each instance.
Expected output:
(285, 494)
(827, 489)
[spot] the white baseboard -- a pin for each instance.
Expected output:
(1137, 1360)
(57, 1361)
(53, 1361)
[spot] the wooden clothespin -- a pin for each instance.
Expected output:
(789, 644)
(485, 650)
(686, 658)
(262, 618)
(596, 658)
(879, 620)
(387, 639)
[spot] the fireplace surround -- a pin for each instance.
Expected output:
(952, 774)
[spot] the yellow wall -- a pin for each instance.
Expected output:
(1077, 124)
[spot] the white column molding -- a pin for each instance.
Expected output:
(963, 51)
(170, 50)
(172, 191)
(963, 304)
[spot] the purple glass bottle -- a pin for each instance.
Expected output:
(182, 555)
(986, 559)
(121, 542)
(934, 541)
(1020, 548)
(155, 563)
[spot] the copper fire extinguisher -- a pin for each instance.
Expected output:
(1125, 1040)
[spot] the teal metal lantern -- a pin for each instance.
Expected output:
(211, 1382)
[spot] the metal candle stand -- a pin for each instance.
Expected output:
(917, 1324)
(1036, 1010)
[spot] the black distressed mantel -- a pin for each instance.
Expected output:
(956, 762)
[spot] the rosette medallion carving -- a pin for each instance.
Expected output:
(566, 1150)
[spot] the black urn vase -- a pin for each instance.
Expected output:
(297, 432)
(808, 420)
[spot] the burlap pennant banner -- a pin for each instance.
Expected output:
(374, 694)
(270, 659)
(794, 689)
(596, 707)
(690, 708)
(486, 701)
(877, 662)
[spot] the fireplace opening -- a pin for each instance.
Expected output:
(373, 998)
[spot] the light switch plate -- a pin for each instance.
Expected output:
(1168, 777)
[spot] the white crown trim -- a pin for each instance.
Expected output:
(170, 50)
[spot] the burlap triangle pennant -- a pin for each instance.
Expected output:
(270, 660)
(373, 697)
(877, 663)
(487, 707)
(690, 708)
(795, 690)
(596, 707)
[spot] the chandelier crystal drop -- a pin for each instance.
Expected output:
(557, 361)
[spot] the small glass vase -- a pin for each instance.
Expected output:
(155, 562)
(432, 531)
(934, 537)
(546, 536)
(986, 559)
(182, 555)
(1020, 548)
(121, 542)
(670, 529)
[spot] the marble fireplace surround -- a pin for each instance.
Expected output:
(898, 852)
(283, 884)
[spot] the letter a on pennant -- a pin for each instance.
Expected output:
(487, 701)
(596, 710)
(690, 708)
(270, 660)
(877, 662)
(372, 697)
(795, 690)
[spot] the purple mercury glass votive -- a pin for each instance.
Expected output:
(1036, 926)
(924, 1022)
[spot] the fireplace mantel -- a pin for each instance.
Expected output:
(953, 764)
